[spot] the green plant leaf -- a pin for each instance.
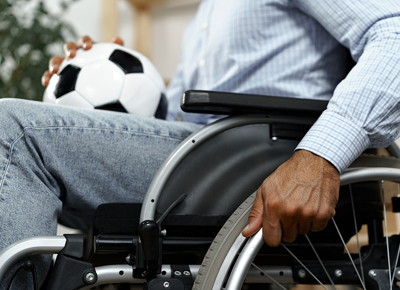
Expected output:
(27, 43)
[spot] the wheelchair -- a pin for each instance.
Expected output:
(187, 232)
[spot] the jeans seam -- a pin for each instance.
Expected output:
(100, 129)
(10, 152)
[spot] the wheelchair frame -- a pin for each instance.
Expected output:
(146, 243)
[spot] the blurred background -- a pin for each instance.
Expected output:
(31, 31)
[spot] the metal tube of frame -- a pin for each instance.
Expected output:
(242, 266)
(369, 174)
(124, 274)
(30, 246)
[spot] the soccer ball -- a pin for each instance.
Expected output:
(110, 77)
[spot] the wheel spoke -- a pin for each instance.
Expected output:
(320, 261)
(395, 265)
(356, 231)
(302, 264)
(398, 246)
(387, 235)
(348, 253)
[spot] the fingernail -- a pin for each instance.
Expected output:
(53, 68)
(45, 82)
(71, 53)
(86, 46)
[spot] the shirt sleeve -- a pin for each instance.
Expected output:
(364, 110)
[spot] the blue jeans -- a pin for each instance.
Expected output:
(61, 163)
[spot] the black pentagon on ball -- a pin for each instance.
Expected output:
(161, 112)
(67, 81)
(126, 61)
(117, 107)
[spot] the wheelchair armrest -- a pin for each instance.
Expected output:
(225, 103)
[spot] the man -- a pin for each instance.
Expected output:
(278, 47)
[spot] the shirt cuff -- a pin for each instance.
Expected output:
(336, 139)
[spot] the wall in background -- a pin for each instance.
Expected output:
(84, 15)
(168, 22)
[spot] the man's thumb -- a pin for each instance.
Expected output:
(255, 217)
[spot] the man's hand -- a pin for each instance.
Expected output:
(300, 196)
(70, 49)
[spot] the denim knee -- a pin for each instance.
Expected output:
(11, 105)
(13, 111)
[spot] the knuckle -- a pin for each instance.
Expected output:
(274, 204)
(272, 242)
(56, 60)
(309, 213)
(53, 60)
(272, 224)
(325, 215)
(86, 38)
(68, 45)
(291, 210)
(70, 48)
(85, 42)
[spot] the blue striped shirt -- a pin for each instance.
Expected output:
(297, 48)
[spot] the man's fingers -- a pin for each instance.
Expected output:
(255, 217)
(304, 228)
(70, 49)
(118, 40)
(320, 223)
(292, 218)
(54, 64)
(272, 232)
(85, 42)
(46, 78)
(298, 197)
(289, 232)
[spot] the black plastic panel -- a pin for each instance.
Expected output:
(233, 103)
(126, 61)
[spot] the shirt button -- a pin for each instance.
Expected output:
(202, 62)
(204, 26)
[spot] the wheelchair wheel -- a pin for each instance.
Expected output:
(359, 260)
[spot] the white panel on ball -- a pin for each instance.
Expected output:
(137, 86)
(152, 72)
(86, 57)
(49, 96)
(73, 99)
(100, 83)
